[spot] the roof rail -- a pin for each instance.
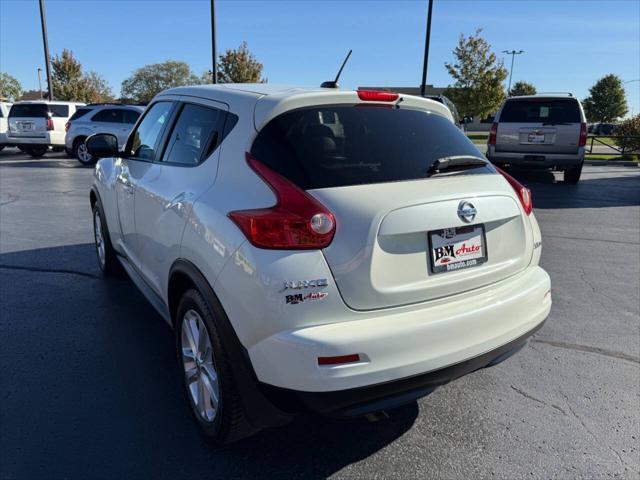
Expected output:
(97, 104)
(555, 93)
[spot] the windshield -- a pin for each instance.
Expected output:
(335, 146)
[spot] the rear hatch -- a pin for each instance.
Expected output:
(407, 232)
(539, 125)
(28, 120)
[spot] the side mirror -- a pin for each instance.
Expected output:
(102, 145)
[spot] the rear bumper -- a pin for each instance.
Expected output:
(52, 139)
(536, 159)
(405, 343)
(360, 401)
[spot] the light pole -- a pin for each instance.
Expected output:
(40, 81)
(423, 85)
(45, 41)
(214, 74)
(513, 54)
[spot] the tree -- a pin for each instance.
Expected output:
(71, 84)
(148, 81)
(239, 66)
(478, 89)
(629, 130)
(606, 101)
(10, 87)
(522, 88)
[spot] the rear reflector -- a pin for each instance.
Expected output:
(49, 123)
(297, 220)
(339, 359)
(524, 194)
(376, 96)
(66, 126)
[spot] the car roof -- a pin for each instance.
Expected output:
(265, 101)
(47, 102)
(554, 96)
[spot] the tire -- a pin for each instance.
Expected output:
(572, 175)
(226, 423)
(1, 147)
(107, 258)
(36, 151)
(80, 152)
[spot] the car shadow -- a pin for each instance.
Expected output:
(91, 388)
(14, 158)
(620, 187)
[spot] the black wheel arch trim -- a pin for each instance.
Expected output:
(260, 412)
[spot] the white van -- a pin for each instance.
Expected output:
(37, 125)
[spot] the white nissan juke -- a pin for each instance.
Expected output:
(317, 250)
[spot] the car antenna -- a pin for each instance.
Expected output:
(334, 83)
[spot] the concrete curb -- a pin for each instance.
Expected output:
(612, 163)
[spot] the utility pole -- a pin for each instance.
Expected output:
(423, 85)
(40, 81)
(513, 54)
(45, 41)
(214, 62)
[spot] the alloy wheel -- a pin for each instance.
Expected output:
(83, 154)
(199, 369)
(100, 246)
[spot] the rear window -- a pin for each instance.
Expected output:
(335, 146)
(79, 113)
(59, 110)
(29, 110)
(540, 111)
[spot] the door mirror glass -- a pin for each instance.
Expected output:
(102, 145)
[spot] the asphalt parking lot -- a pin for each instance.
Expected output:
(90, 386)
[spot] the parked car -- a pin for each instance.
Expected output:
(604, 129)
(450, 105)
(37, 125)
(313, 255)
(99, 118)
(540, 131)
(4, 125)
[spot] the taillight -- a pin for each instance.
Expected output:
(66, 126)
(49, 123)
(376, 96)
(583, 135)
(296, 221)
(524, 194)
(493, 133)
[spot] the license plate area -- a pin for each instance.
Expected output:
(536, 138)
(25, 126)
(457, 248)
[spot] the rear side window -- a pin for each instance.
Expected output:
(131, 116)
(335, 146)
(79, 113)
(29, 110)
(59, 110)
(108, 115)
(194, 135)
(540, 111)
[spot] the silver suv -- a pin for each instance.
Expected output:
(540, 131)
(110, 118)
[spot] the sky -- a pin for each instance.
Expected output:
(568, 44)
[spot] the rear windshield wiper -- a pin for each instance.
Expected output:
(455, 162)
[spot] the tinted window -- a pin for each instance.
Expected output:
(109, 115)
(130, 116)
(59, 110)
(194, 136)
(362, 145)
(540, 111)
(79, 113)
(145, 139)
(29, 110)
